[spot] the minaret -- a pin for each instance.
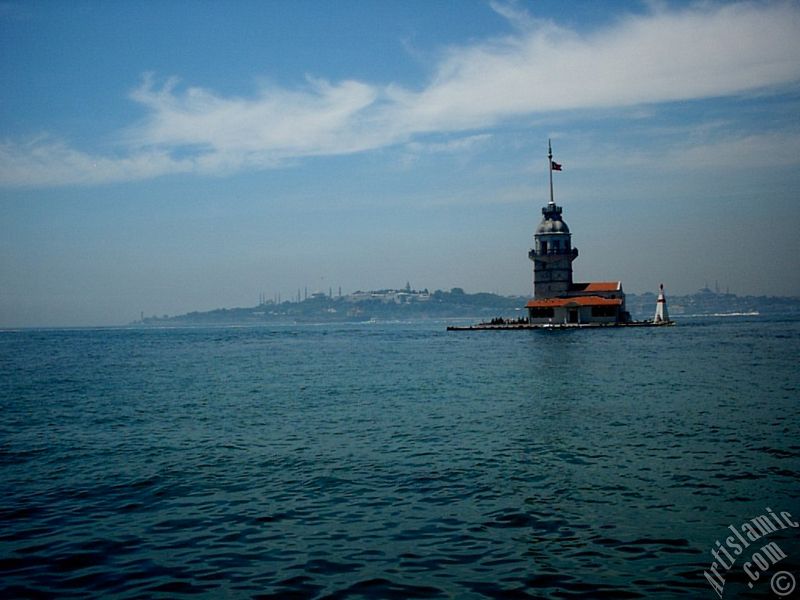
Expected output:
(662, 315)
(552, 253)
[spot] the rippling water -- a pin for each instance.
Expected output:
(392, 461)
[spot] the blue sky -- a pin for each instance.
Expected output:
(170, 157)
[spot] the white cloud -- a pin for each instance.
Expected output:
(760, 150)
(277, 123)
(709, 149)
(459, 144)
(516, 16)
(658, 57)
(44, 161)
(706, 50)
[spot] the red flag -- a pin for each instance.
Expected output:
(556, 166)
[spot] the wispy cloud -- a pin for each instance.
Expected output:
(325, 118)
(659, 57)
(459, 144)
(44, 161)
(706, 50)
(760, 150)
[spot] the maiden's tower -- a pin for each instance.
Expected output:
(558, 301)
(556, 298)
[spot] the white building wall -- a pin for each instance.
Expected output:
(561, 316)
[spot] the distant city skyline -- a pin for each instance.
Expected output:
(174, 157)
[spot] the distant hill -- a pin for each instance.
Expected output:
(381, 305)
(407, 304)
(706, 302)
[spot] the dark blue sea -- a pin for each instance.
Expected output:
(396, 460)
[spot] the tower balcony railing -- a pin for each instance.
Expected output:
(573, 252)
(551, 209)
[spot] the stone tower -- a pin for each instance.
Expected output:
(552, 253)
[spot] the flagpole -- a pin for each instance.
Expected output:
(550, 165)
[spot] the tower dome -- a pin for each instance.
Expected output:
(552, 223)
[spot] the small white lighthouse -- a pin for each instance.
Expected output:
(662, 315)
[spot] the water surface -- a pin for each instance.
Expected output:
(391, 461)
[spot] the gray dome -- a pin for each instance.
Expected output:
(552, 226)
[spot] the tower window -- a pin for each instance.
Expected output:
(544, 247)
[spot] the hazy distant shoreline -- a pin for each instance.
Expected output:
(386, 305)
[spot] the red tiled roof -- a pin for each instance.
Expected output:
(573, 302)
(596, 286)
